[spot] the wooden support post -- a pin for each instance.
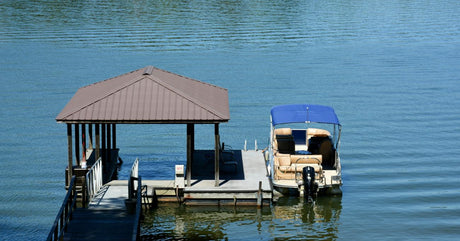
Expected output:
(103, 146)
(83, 144)
(109, 145)
(69, 150)
(77, 144)
(190, 150)
(217, 154)
(260, 198)
(90, 136)
(98, 142)
(114, 136)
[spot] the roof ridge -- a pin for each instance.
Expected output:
(104, 81)
(188, 97)
(185, 77)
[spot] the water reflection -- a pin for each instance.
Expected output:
(302, 220)
(289, 218)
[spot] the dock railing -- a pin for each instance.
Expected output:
(65, 213)
(136, 194)
(137, 220)
(133, 177)
(94, 179)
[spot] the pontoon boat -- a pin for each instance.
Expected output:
(304, 150)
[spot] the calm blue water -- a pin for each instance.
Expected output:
(389, 68)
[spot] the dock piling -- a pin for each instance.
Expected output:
(259, 195)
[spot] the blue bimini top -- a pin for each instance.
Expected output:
(303, 113)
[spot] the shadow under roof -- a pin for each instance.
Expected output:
(148, 95)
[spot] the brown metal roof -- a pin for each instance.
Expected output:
(148, 95)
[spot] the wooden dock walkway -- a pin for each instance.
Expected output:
(106, 217)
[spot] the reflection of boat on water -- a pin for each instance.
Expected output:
(322, 217)
(324, 209)
(306, 159)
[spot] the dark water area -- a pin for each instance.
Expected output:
(390, 69)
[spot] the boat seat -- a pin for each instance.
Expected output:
(299, 167)
(317, 132)
(283, 159)
(283, 141)
(289, 172)
(283, 131)
(286, 166)
(307, 159)
(286, 144)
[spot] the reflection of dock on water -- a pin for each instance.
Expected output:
(151, 96)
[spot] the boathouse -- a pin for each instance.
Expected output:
(144, 96)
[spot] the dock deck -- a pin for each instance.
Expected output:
(106, 217)
(241, 174)
(243, 182)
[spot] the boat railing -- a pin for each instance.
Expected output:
(338, 165)
(94, 179)
(65, 213)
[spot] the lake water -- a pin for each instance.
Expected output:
(389, 68)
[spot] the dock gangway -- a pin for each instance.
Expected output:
(113, 212)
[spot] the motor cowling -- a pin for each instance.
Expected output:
(310, 187)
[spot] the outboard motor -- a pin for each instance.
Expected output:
(309, 189)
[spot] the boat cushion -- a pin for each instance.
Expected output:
(283, 131)
(283, 159)
(285, 144)
(307, 159)
(299, 167)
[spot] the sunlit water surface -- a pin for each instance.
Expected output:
(389, 68)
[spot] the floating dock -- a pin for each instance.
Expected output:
(243, 181)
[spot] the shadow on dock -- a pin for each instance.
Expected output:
(230, 165)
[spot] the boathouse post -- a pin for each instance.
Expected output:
(114, 136)
(83, 144)
(103, 146)
(77, 144)
(216, 156)
(98, 142)
(190, 150)
(90, 136)
(69, 150)
(109, 146)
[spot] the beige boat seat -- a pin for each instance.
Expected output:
(317, 132)
(286, 166)
(283, 131)
(289, 172)
(306, 159)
